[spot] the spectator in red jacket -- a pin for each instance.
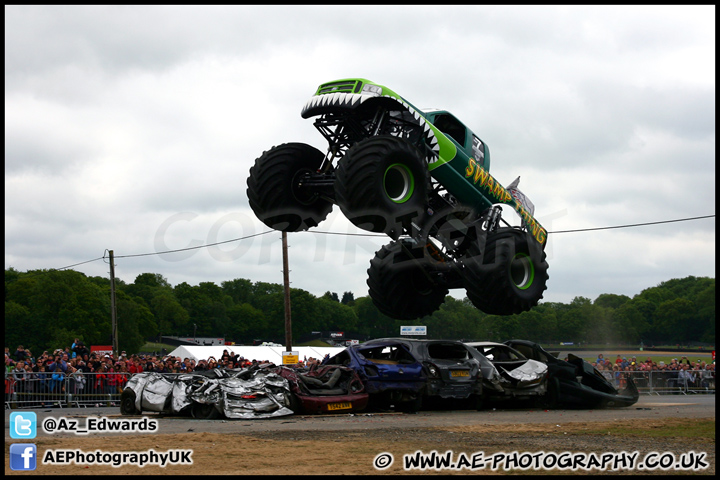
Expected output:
(135, 366)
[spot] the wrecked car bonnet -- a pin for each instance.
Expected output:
(529, 371)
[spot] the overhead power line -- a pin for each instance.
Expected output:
(197, 247)
(559, 231)
(370, 235)
(633, 225)
(382, 235)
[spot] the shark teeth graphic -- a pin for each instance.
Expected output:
(338, 99)
(351, 99)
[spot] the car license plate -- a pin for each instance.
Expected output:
(339, 406)
(459, 373)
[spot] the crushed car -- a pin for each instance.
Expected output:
(257, 392)
(325, 389)
(575, 383)
(451, 371)
(244, 394)
(508, 374)
(392, 376)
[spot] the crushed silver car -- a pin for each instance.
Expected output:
(243, 394)
(508, 374)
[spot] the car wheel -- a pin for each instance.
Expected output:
(552, 394)
(399, 286)
(204, 411)
(127, 403)
(512, 276)
(477, 402)
(412, 406)
(381, 184)
(274, 192)
(294, 403)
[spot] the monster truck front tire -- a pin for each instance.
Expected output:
(274, 192)
(381, 184)
(512, 276)
(399, 287)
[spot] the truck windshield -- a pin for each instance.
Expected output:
(452, 127)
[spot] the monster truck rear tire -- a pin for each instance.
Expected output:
(273, 190)
(513, 274)
(381, 184)
(399, 287)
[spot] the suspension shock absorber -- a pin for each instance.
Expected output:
(492, 219)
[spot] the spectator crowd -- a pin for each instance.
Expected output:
(677, 373)
(77, 370)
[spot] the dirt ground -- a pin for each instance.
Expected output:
(352, 452)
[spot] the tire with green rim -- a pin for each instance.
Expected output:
(512, 275)
(274, 192)
(381, 184)
(399, 286)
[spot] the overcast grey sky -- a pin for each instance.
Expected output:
(133, 128)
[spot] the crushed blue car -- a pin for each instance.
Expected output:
(392, 376)
(452, 374)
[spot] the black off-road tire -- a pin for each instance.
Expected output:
(381, 185)
(273, 191)
(127, 403)
(399, 287)
(512, 276)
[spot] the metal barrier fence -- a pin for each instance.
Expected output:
(96, 389)
(667, 382)
(89, 389)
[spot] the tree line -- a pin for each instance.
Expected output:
(47, 309)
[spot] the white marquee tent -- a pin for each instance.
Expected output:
(273, 354)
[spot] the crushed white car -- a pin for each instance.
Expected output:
(508, 374)
(242, 394)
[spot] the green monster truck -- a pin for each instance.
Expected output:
(422, 178)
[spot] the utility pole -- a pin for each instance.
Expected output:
(113, 310)
(286, 281)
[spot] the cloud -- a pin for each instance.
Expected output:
(133, 128)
